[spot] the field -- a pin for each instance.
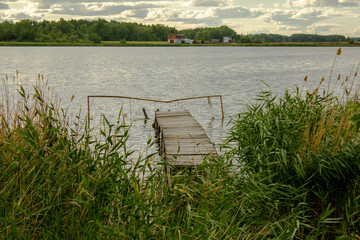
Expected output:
(291, 171)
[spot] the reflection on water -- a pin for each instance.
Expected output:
(166, 73)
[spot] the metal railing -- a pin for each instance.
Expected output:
(152, 100)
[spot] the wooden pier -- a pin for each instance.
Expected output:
(182, 140)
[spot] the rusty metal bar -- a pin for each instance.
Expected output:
(152, 100)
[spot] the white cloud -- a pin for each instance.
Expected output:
(324, 3)
(285, 16)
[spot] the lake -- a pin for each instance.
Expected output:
(166, 73)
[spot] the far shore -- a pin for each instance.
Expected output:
(166, 44)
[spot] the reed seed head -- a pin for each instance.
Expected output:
(305, 79)
(347, 78)
(339, 77)
(338, 52)
(322, 80)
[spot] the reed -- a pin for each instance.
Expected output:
(63, 180)
(290, 170)
(303, 151)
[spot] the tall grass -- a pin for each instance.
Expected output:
(302, 152)
(291, 172)
(63, 180)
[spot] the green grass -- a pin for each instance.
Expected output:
(291, 171)
(164, 43)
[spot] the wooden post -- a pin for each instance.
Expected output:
(145, 114)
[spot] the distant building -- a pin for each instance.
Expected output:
(227, 39)
(215, 40)
(175, 38)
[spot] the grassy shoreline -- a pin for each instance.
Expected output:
(165, 44)
(291, 171)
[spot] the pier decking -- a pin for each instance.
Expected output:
(182, 140)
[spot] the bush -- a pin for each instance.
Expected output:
(300, 154)
(74, 38)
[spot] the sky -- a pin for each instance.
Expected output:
(244, 16)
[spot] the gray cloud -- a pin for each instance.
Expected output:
(140, 13)
(235, 12)
(4, 6)
(325, 27)
(44, 4)
(82, 10)
(208, 21)
(193, 17)
(325, 3)
(299, 20)
(22, 16)
(208, 3)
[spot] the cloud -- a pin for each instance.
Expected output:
(4, 6)
(324, 3)
(356, 31)
(139, 13)
(22, 16)
(233, 12)
(323, 27)
(209, 3)
(300, 19)
(45, 4)
(196, 18)
(96, 9)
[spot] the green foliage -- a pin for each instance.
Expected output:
(103, 30)
(74, 38)
(95, 31)
(61, 180)
(291, 172)
(303, 155)
(209, 33)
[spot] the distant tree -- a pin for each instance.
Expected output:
(74, 38)
(7, 32)
(94, 37)
(100, 29)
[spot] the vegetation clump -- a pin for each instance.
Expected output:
(84, 32)
(299, 155)
(291, 171)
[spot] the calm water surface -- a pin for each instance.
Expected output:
(166, 73)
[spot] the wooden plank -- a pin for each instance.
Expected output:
(171, 145)
(186, 141)
(183, 140)
(171, 114)
(187, 126)
(184, 130)
(179, 135)
(165, 122)
(188, 151)
(180, 161)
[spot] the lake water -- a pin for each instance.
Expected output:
(166, 73)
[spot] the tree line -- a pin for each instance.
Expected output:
(95, 31)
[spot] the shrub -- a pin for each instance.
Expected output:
(300, 154)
